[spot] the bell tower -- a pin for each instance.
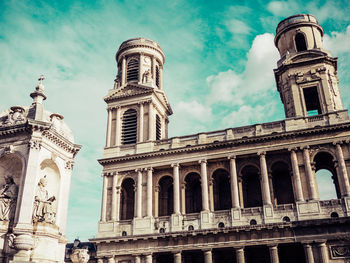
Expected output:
(137, 107)
(306, 76)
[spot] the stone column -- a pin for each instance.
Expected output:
(323, 253)
(140, 68)
(139, 194)
(273, 254)
(114, 198)
(183, 198)
(104, 199)
(109, 128)
(124, 71)
(137, 259)
(149, 258)
(141, 122)
(176, 188)
(149, 191)
(111, 260)
(240, 255)
(160, 77)
(204, 184)
(150, 122)
(298, 191)
(309, 255)
(177, 257)
(309, 175)
(118, 125)
(118, 203)
(265, 189)
(234, 182)
(343, 176)
(154, 70)
(156, 200)
(208, 256)
(211, 194)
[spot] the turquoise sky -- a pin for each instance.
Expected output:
(218, 70)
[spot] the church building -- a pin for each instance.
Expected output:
(245, 194)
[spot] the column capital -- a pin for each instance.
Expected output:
(138, 170)
(261, 154)
(272, 246)
(292, 149)
(175, 165)
(305, 147)
(202, 161)
(232, 157)
(149, 169)
(337, 142)
(207, 250)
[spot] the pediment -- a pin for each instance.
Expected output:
(306, 56)
(127, 91)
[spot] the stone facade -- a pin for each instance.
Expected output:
(246, 194)
(36, 159)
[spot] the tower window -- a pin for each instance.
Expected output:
(312, 102)
(157, 76)
(129, 128)
(300, 42)
(158, 128)
(133, 70)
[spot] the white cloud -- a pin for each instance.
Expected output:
(338, 42)
(236, 26)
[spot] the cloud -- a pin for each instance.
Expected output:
(338, 42)
(236, 26)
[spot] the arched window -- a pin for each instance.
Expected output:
(326, 176)
(222, 191)
(127, 199)
(158, 128)
(166, 196)
(300, 42)
(129, 127)
(282, 184)
(193, 193)
(157, 76)
(251, 187)
(132, 72)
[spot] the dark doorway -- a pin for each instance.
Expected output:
(291, 253)
(312, 102)
(257, 254)
(224, 255)
(193, 257)
(282, 184)
(193, 193)
(222, 191)
(164, 258)
(166, 196)
(251, 187)
(127, 199)
(300, 42)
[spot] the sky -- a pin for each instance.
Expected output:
(218, 71)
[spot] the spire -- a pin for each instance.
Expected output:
(37, 109)
(38, 95)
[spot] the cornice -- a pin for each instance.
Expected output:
(228, 143)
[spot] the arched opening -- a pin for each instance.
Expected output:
(166, 196)
(129, 127)
(300, 42)
(127, 201)
(251, 187)
(132, 70)
(193, 193)
(282, 184)
(158, 128)
(222, 191)
(157, 76)
(326, 176)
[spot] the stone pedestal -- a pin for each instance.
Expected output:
(268, 214)
(176, 222)
(143, 225)
(206, 219)
(347, 205)
(309, 209)
(235, 216)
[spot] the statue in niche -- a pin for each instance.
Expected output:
(43, 205)
(146, 76)
(8, 197)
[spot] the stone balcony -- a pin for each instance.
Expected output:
(254, 216)
(232, 134)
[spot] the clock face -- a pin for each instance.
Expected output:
(147, 60)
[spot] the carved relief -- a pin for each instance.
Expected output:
(340, 251)
(15, 116)
(34, 144)
(80, 255)
(43, 204)
(8, 197)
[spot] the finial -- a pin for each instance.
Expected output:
(40, 86)
(38, 95)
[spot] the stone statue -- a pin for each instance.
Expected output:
(80, 255)
(8, 197)
(146, 76)
(43, 205)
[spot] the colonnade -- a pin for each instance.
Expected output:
(234, 185)
(320, 248)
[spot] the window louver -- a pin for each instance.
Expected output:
(157, 76)
(133, 70)
(129, 128)
(158, 128)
